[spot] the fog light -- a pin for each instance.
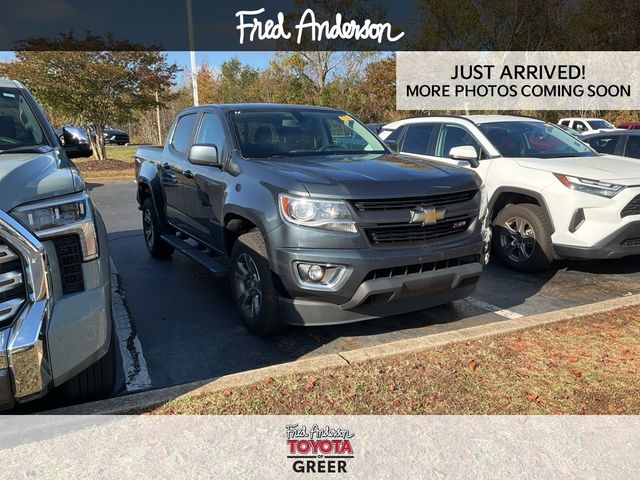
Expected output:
(316, 276)
(315, 273)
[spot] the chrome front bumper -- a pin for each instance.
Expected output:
(24, 362)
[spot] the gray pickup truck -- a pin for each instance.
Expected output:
(315, 220)
(55, 294)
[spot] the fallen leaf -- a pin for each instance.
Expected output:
(268, 379)
(472, 365)
(227, 393)
(532, 397)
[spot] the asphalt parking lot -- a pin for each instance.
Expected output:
(187, 328)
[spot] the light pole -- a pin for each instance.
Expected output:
(192, 53)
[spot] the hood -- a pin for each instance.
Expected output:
(621, 170)
(28, 177)
(373, 176)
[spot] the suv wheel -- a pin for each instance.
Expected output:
(252, 285)
(522, 238)
(157, 247)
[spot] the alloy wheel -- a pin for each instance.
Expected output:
(248, 286)
(518, 239)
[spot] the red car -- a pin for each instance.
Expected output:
(629, 125)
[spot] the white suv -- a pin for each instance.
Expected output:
(550, 195)
(587, 125)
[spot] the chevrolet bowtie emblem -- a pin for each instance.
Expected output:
(427, 216)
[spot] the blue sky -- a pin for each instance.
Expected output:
(255, 59)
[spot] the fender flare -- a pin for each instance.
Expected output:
(523, 191)
(240, 211)
(150, 177)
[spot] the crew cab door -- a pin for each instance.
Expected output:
(174, 165)
(205, 186)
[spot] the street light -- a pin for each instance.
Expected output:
(192, 53)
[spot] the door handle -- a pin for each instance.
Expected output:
(188, 174)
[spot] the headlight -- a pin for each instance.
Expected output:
(594, 187)
(60, 216)
(328, 214)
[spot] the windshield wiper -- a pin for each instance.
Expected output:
(27, 149)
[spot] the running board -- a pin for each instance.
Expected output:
(214, 265)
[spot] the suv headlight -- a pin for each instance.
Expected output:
(594, 187)
(310, 212)
(68, 215)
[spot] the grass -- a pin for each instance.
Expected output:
(589, 365)
(119, 163)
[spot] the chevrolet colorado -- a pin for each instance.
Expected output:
(315, 219)
(55, 295)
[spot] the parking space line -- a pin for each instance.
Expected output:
(503, 312)
(133, 362)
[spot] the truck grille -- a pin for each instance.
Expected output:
(69, 252)
(12, 289)
(403, 234)
(413, 202)
(421, 267)
(632, 208)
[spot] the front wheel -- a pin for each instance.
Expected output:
(522, 238)
(252, 285)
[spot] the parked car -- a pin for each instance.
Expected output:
(629, 126)
(80, 139)
(586, 125)
(318, 222)
(550, 195)
(55, 293)
(114, 136)
(625, 143)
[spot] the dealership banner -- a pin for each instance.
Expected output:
(281, 447)
(581, 81)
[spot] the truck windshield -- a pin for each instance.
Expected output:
(19, 127)
(534, 139)
(293, 132)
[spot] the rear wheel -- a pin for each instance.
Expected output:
(522, 238)
(252, 285)
(152, 230)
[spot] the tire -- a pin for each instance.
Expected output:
(152, 230)
(522, 238)
(252, 286)
(95, 382)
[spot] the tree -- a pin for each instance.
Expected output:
(92, 81)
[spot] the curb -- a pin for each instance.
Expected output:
(141, 401)
(115, 179)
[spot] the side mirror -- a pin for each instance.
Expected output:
(466, 153)
(392, 145)
(76, 142)
(204, 154)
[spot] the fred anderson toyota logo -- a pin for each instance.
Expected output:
(319, 450)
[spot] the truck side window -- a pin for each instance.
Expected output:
(417, 139)
(181, 138)
(579, 126)
(454, 136)
(211, 131)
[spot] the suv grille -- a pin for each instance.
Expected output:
(12, 289)
(632, 208)
(69, 253)
(421, 267)
(399, 234)
(409, 203)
